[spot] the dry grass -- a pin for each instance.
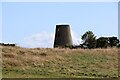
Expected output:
(48, 62)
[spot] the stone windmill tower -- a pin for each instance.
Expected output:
(63, 36)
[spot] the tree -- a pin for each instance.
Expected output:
(89, 39)
(113, 41)
(102, 42)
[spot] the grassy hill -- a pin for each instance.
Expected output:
(59, 63)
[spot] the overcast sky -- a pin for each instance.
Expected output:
(32, 24)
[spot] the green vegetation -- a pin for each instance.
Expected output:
(59, 63)
(89, 39)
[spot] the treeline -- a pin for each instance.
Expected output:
(89, 41)
(8, 44)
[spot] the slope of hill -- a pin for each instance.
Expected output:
(59, 63)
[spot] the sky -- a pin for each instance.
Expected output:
(32, 24)
(59, 0)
